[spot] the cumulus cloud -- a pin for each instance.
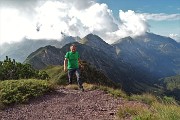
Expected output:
(132, 24)
(50, 18)
(36, 19)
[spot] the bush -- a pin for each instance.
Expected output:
(10, 69)
(20, 91)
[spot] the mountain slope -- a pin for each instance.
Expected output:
(157, 55)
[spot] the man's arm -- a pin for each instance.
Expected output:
(65, 64)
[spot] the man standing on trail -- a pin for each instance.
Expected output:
(72, 58)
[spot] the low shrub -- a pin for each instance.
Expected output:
(20, 91)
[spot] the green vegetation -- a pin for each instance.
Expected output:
(145, 98)
(171, 86)
(10, 69)
(57, 75)
(155, 108)
(135, 111)
(172, 83)
(20, 91)
(114, 92)
(157, 111)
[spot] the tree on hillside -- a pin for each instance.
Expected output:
(10, 69)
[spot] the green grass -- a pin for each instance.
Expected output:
(145, 98)
(57, 75)
(114, 92)
(166, 111)
(157, 111)
(165, 108)
(136, 112)
(20, 91)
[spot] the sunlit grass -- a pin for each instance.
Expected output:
(154, 108)
(166, 111)
(73, 87)
(146, 98)
(135, 111)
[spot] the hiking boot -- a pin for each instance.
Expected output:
(82, 89)
(69, 83)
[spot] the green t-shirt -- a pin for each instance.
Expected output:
(72, 59)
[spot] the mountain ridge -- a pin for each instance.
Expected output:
(21, 50)
(156, 55)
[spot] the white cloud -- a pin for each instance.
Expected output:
(160, 16)
(175, 37)
(73, 17)
(80, 4)
(132, 24)
(13, 27)
(47, 19)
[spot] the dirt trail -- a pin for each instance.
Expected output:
(66, 104)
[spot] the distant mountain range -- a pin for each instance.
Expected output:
(158, 55)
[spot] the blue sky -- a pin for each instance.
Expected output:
(109, 19)
(164, 27)
(148, 6)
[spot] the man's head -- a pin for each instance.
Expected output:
(73, 48)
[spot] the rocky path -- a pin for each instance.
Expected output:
(66, 104)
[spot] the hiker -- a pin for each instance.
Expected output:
(71, 62)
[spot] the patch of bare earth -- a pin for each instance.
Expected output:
(66, 104)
